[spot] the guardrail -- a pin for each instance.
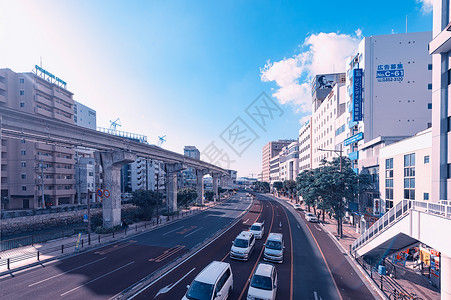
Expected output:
(394, 214)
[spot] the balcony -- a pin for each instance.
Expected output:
(2, 99)
(64, 108)
(65, 171)
(44, 158)
(41, 146)
(2, 86)
(63, 118)
(63, 160)
(41, 111)
(44, 89)
(64, 150)
(65, 181)
(44, 101)
(63, 192)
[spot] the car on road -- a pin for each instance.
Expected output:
(311, 217)
(274, 247)
(297, 207)
(215, 281)
(243, 246)
(263, 284)
(258, 229)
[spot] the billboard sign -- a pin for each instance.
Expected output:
(357, 114)
(355, 138)
(390, 72)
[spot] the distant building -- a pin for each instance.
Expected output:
(84, 116)
(305, 146)
(189, 175)
(270, 150)
(30, 169)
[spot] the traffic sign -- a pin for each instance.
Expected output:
(106, 193)
(85, 218)
(100, 193)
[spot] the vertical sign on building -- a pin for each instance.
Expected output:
(357, 95)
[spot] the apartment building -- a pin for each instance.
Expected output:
(34, 171)
(305, 146)
(84, 116)
(289, 168)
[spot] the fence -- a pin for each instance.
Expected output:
(65, 245)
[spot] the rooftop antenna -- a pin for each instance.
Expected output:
(115, 123)
(161, 140)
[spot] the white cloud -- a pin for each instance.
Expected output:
(321, 54)
(426, 5)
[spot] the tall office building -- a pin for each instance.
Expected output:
(30, 169)
(270, 150)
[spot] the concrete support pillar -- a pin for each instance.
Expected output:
(111, 163)
(445, 277)
(171, 184)
(200, 185)
(215, 178)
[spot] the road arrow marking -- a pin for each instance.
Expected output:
(280, 224)
(170, 286)
(317, 228)
(297, 224)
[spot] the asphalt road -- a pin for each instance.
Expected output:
(105, 272)
(302, 275)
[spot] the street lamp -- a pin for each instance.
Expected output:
(339, 152)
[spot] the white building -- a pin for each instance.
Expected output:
(305, 146)
(405, 170)
(289, 168)
(84, 116)
(388, 85)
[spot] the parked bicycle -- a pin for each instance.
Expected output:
(398, 295)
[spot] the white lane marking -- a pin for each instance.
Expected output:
(316, 296)
(66, 272)
(280, 224)
(317, 228)
(173, 230)
(170, 286)
(193, 232)
(245, 221)
(299, 226)
(63, 294)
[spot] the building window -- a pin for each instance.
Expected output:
(429, 105)
(23, 164)
(21, 80)
(429, 66)
(425, 196)
(24, 187)
(409, 176)
(426, 159)
(389, 179)
(23, 152)
(21, 93)
(91, 173)
(22, 104)
(429, 86)
(24, 176)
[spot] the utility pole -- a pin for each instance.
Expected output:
(89, 216)
(42, 183)
(158, 195)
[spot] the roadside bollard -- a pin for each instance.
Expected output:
(99, 238)
(62, 248)
(7, 263)
(38, 255)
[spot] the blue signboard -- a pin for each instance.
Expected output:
(357, 95)
(391, 72)
(353, 155)
(355, 138)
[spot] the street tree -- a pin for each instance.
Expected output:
(278, 185)
(209, 195)
(146, 202)
(290, 186)
(307, 189)
(185, 196)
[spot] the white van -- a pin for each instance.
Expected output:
(243, 246)
(274, 248)
(263, 284)
(258, 229)
(215, 282)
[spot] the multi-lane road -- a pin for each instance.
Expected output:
(164, 261)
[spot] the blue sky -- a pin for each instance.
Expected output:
(187, 69)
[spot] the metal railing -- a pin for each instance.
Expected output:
(397, 212)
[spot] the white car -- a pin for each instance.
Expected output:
(263, 283)
(214, 282)
(243, 246)
(297, 207)
(258, 229)
(311, 217)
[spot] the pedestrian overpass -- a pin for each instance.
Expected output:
(406, 224)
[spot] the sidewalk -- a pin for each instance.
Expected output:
(29, 256)
(406, 277)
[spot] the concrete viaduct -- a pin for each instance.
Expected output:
(111, 153)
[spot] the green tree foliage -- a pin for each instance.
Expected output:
(278, 185)
(327, 187)
(146, 201)
(261, 186)
(185, 196)
(290, 186)
(209, 195)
